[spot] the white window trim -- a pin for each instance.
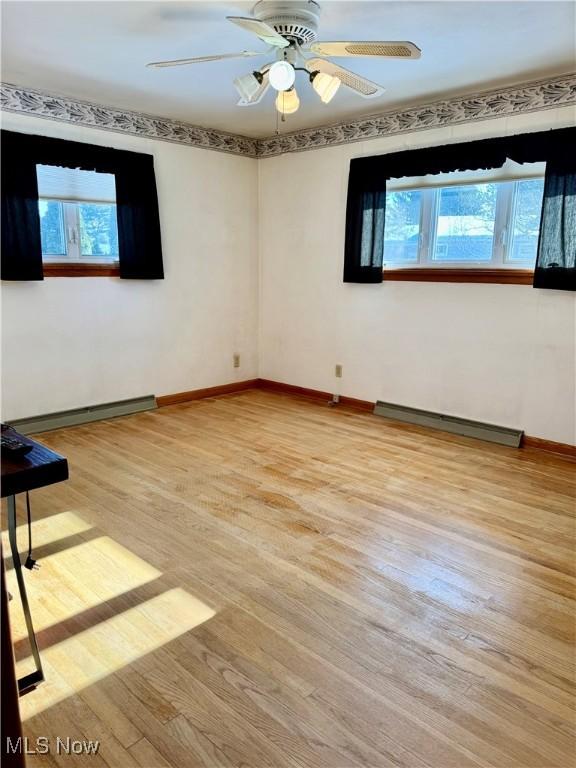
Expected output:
(503, 220)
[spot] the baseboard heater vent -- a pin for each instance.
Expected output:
(85, 415)
(465, 427)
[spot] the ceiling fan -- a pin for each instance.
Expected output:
(289, 28)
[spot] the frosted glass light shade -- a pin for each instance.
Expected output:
(326, 86)
(287, 102)
(281, 75)
(248, 85)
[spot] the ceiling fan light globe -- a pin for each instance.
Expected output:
(326, 86)
(281, 75)
(248, 85)
(287, 102)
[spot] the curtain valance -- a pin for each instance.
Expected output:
(484, 154)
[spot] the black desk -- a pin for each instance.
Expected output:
(38, 468)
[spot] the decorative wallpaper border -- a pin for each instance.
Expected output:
(39, 104)
(512, 100)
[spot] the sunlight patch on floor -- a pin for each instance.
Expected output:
(47, 530)
(89, 656)
(89, 620)
(76, 579)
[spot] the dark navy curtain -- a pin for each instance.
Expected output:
(365, 217)
(139, 241)
(21, 247)
(556, 260)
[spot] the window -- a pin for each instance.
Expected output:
(77, 216)
(52, 228)
(526, 221)
(464, 223)
(491, 224)
(402, 226)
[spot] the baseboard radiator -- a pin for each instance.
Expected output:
(76, 416)
(453, 424)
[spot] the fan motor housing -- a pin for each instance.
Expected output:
(296, 21)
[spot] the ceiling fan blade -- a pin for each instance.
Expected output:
(261, 29)
(358, 84)
(200, 59)
(392, 49)
(258, 96)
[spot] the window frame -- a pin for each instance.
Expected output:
(500, 269)
(73, 263)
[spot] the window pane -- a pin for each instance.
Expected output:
(465, 226)
(52, 228)
(402, 226)
(98, 230)
(526, 221)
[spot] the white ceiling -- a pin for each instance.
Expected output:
(97, 51)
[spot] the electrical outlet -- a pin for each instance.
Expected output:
(338, 371)
(236, 359)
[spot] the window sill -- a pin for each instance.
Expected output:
(460, 275)
(61, 269)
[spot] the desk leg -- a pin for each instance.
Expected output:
(30, 681)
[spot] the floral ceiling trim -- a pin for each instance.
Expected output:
(512, 100)
(529, 97)
(63, 109)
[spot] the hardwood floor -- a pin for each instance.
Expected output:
(260, 580)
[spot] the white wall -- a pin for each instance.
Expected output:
(498, 353)
(70, 342)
